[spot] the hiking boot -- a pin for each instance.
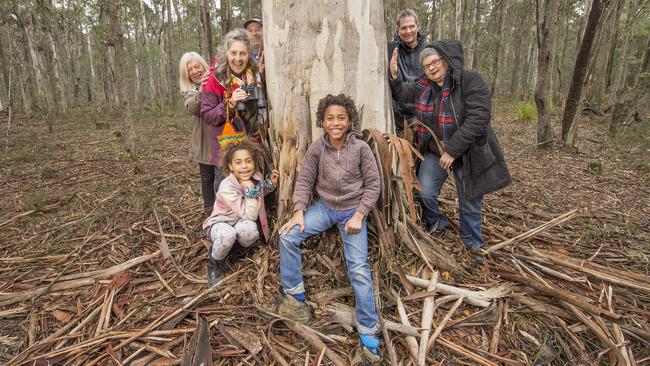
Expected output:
(436, 230)
(477, 255)
(363, 356)
(216, 270)
(293, 309)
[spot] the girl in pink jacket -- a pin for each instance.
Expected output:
(239, 205)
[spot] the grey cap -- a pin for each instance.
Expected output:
(256, 20)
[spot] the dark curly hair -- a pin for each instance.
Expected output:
(254, 148)
(341, 100)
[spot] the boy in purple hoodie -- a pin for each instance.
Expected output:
(344, 170)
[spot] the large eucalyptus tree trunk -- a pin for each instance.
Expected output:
(315, 48)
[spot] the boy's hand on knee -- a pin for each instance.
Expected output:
(353, 226)
(298, 218)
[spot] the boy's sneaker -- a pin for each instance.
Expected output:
(368, 352)
(288, 307)
(363, 356)
(295, 310)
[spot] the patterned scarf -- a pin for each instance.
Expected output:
(432, 109)
(249, 116)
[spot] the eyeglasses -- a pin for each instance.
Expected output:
(434, 63)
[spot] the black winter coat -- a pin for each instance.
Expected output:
(475, 143)
(410, 69)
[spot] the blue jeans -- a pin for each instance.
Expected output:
(319, 218)
(431, 177)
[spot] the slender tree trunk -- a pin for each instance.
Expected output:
(225, 16)
(43, 100)
(171, 95)
(499, 29)
(433, 25)
(471, 63)
(643, 66)
(440, 19)
(545, 34)
(621, 79)
(92, 78)
(557, 93)
(574, 98)
(117, 43)
(459, 23)
(10, 77)
(206, 27)
(340, 50)
(529, 64)
(612, 45)
(58, 79)
(147, 52)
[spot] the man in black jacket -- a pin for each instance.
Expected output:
(454, 106)
(408, 43)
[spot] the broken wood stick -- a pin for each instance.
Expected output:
(308, 335)
(163, 241)
(427, 318)
(411, 342)
(443, 323)
(464, 352)
(531, 233)
(343, 314)
(477, 298)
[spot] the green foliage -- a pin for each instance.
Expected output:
(525, 111)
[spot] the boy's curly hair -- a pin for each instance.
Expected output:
(254, 148)
(342, 100)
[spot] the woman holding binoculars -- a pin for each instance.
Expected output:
(235, 94)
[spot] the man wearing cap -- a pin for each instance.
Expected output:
(254, 28)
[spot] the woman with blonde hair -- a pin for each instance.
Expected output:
(193, 74)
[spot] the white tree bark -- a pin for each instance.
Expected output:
(315, 48)
(44, 98)
(92, 79)
(459, 23)
(56, 67)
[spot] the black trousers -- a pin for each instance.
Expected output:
(211, 177)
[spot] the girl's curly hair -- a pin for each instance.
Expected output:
(254, 148)
(343, 101)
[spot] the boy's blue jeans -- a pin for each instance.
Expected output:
(319, 218)
(431, 177)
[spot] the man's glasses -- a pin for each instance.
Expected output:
(434, 63)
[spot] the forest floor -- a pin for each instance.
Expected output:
(75, 208)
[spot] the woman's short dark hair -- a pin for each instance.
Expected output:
(253, 147)
(341, 100)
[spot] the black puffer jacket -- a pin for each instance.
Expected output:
(410, 69)
(474, 142)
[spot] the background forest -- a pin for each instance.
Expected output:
(61, 54)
